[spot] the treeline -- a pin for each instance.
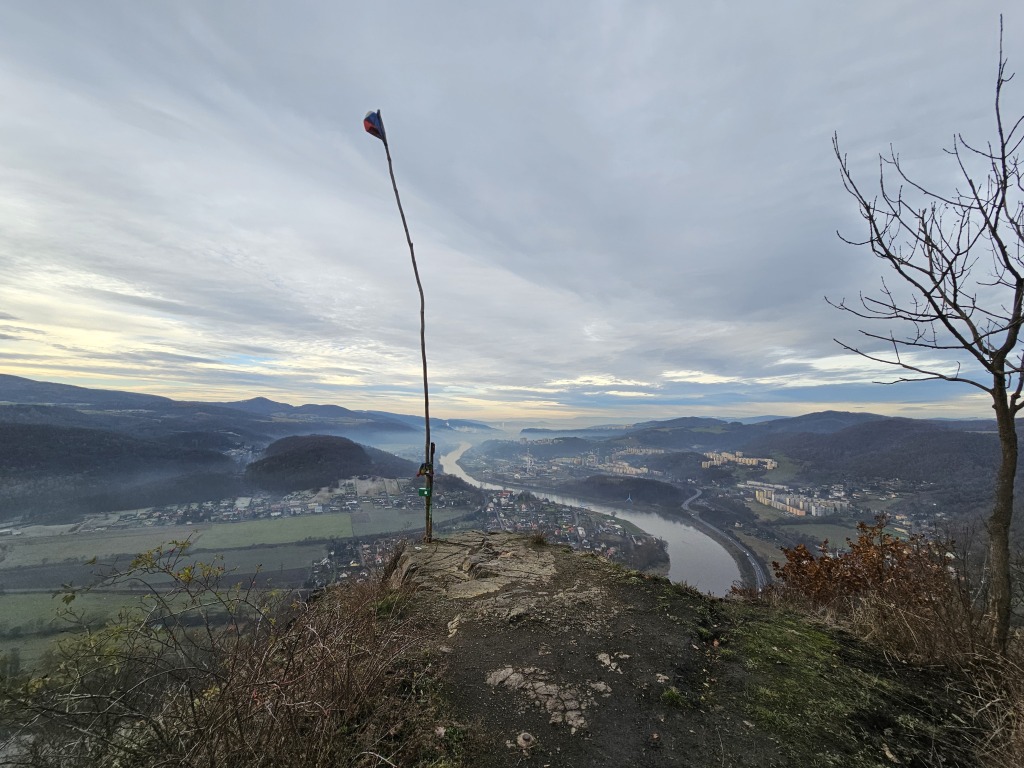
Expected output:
(55, 474)
(911, 451)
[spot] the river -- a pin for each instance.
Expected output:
(694, 557)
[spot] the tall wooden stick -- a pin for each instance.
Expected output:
(374, 125)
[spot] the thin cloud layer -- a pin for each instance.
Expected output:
(620, 210)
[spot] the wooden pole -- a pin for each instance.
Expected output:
(427, 468)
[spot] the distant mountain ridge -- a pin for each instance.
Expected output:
(69, 450)
(175, 441)
(956, 457)
(257, 420)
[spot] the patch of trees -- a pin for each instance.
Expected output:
(210, 441)
(680, 465)
(54, 474)
(905, 449)
(315, 461)
(48, 449)
(559, 447)
(452, 483)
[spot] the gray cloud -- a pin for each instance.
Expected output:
(597, 192)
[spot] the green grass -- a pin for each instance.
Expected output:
(36, 550)
(30, 622)
(829, 700)
(836, 534)
(627, 526)
(38, 611)
(765, 512)
(786, 471)
(400, 520)
(282, 530)
(267, 559)
(50, 550)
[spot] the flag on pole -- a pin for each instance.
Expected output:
(374, 125)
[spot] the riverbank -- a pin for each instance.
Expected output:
(752, 570)
(691, 559)
(746, 562)
(694, 557)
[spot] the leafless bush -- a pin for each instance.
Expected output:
(915, 599)
(207, 675)
(913, 596)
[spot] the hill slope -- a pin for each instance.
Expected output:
(54, 473)
(314, 461)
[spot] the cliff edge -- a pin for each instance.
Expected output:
(552, 658)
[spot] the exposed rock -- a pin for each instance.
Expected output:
(614, 669)
(565, 703)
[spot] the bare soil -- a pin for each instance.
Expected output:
(552, 658)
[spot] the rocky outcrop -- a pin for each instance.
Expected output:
(558, 658)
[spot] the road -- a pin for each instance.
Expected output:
(760, 578)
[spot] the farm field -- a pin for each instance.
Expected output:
(266, 559)
(283, 530)
(281, 550)
(31, 622)
(27, 613)
(379, 521)
(42, 550)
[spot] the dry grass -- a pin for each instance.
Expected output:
(207, 676)
(915, 601)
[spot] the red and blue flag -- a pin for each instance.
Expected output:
(374, 125)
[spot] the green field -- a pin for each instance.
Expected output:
(282, 530)
(267, 559)
(33, 612)
(783, 473)
(837, 534)
(36, 550)
(77, 547)
(29, 623)
(881, 504)
(399, 520)
(767, 513)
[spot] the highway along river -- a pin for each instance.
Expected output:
(694, 557)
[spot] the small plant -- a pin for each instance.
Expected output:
(538, 539)
(671, 697)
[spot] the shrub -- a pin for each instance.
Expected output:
(913, 598)
(909, 595)
(204, 674)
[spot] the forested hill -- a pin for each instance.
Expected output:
(314, 461)
(54, 473)
(40, 449)
(254, 421)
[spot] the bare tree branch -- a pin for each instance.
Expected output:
(938, 245)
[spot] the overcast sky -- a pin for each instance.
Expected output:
(620, 209)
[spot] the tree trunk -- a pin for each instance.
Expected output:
(999, 527)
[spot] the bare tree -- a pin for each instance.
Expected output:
(960, 297)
